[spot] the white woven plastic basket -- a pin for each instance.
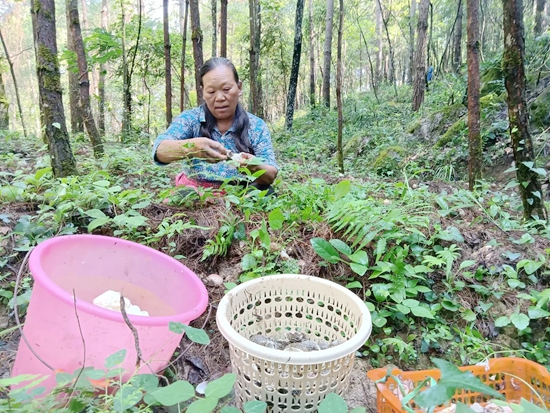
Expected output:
(292, 381)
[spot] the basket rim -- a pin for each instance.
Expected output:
(286, 357)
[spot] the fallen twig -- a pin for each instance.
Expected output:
(139, 356)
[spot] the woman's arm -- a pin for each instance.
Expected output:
(174, 150)
(260, 138)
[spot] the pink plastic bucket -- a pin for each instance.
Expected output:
(91, 265)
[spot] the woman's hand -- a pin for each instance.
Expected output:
(267, 177)
(203, 148)
(206, 149)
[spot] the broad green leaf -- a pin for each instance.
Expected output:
(61, 378)
(530, 407)
(325, 250)
(451, 380)
(410, 303)
(264, 235)
(333, 403)
(342, 189)
(360, 257)
(56, 125)
(354, 284)
(358, 268)
(177, 392)
(205, 405)
(97, 223)
(467, 264)
(248, 262)
(126, 398)
(141, 205)
(535, 312)
(255, 406)
(379, 321)
(502, 321)
(194, 334)
(221, 387)
(422, 312)
(115, 359)
(94, 374)
(529, 266)
(521, 321)
(341, 246)
(469, 315)
(95, 213)
(403, 309)
(276, 219)
(358, 410)
(146, 382)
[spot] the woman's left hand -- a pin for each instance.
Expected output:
(267, 177)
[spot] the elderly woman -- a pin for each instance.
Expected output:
(208, 136)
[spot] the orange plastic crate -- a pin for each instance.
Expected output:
(498, 376)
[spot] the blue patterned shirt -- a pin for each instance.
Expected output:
(187, 125)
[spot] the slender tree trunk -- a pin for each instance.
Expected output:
(311, 57)
(77, 118)
(412, 20)
(444, 56)
(327, 53)
(167, 64)
(4, 104)
(373, 78)
(14, 80)
(196, 37)
(514, 72)
(49, 86)
(256, 98)
(457, 54)
(474, 131)
(379, 54)
(223, 29)
(214, 4)
(430, 37)
(83, 77)
(420, 69)
(102, 70)
(183, 15)
(295, 70)
(539, 17)
(339, 75)
(390, 47)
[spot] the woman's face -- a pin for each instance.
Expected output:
(221, 92)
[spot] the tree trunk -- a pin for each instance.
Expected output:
(84, 104)
(167, 64)
(311, 57)
(412, 19)
(430, 37)
(295, 69)
(457, 54)
(4, 104)
(256, 98)
(339, 146)
(183, 14)
(379, 54)
(420, 69)
(49, 85)
(514, 72)
(391, 62)
(102, 70)
(214, 27)
(474, 132)
(539, 17)
(373, 78)
(14, 80)
(444, 56)
(223, 29)
(196, 37)
(327, 53)
(77, 119)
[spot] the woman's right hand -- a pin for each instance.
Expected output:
(206, 149)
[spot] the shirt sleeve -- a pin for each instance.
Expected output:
(184, 126)
(260, 138)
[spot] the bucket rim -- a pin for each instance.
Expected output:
(286, 357)
(40, 276)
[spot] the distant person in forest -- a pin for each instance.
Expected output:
(429, 77)
(209, 136)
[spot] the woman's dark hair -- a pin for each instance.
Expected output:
(240, 119)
